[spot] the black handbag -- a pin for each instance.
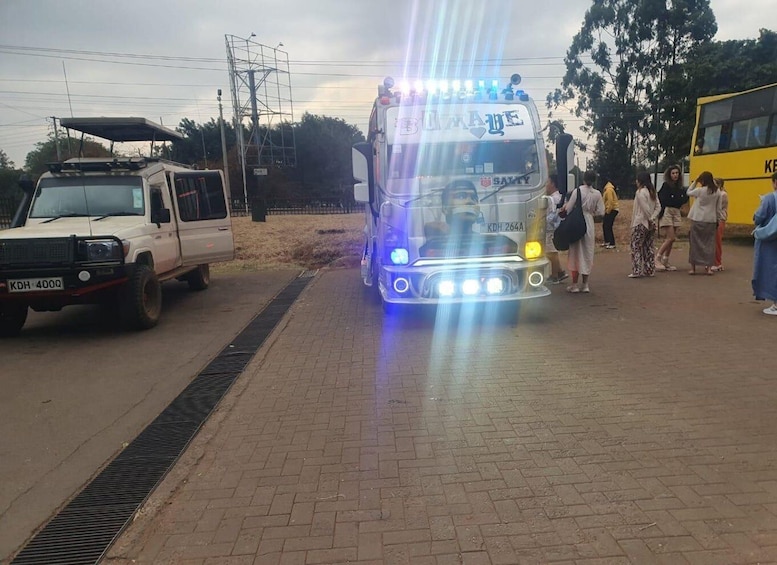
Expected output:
(572, 228)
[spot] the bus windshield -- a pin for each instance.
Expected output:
(514, 157)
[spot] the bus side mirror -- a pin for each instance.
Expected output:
(565, 159)
(361, 156)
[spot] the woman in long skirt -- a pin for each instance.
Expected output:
(643, 228)
(704, 216)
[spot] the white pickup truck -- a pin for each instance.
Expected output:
(111, 230)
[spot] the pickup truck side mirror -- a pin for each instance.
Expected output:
(160, 216)
(26, 184)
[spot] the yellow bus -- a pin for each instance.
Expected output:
(736, 140)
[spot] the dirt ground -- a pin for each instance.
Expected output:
(315, 241)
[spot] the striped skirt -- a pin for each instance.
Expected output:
(702, 240)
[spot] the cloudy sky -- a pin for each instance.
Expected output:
(166, 59)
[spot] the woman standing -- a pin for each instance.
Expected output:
(610, 212)
(704, 216)
(672, 197)
(720, 183)
(643, 228)
(580, 259)
(765, 257)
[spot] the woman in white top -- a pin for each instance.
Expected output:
(580, 259)
(643, 228)
(704, 216)
(721, 225)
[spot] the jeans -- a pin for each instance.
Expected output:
(607, 222)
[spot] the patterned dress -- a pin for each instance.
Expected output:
(643, 233)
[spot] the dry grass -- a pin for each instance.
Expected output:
(315, 241)
(304, 242)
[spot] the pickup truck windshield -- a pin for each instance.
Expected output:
(490, 159)
(88, 196)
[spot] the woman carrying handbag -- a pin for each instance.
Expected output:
(580, 260)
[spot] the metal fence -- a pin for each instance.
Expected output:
(8, 206)
(296, 206)
(272, 207)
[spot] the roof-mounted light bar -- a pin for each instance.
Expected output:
(98, 165)
(444, 90)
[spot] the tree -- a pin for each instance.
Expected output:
(5, 162)
(36, 162)
(201, 145)
(714, 68)
(629, 44)
(324, 153)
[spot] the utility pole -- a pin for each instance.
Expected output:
(224, 146)
(56, 138)
(658, 122)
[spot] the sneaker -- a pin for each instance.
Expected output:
(665, 262)
(660, 266)
(574, 289)
(553, 280)
(562, 276)
(610, 246)
(771, 310)
(604, 244)
(585, 288)
(634, 276)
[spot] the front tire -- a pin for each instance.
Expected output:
(199, 279)
(141, 299)
(12, 318)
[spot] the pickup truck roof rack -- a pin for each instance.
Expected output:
(122, 129)
(107, 164)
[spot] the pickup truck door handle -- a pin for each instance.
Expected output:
(223, 229)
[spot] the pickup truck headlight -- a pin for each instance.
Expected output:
(103, 250)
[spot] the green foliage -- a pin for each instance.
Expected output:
(46, 152)
(628, 44)
(324, 153)
(322, 148)
(201, 145)
(5, 162)
(714, 68)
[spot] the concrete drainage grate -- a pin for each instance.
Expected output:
(85, 528)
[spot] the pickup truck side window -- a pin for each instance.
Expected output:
(157, 203)
(200, 196)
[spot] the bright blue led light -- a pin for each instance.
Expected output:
(400, 256)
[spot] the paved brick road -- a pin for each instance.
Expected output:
(632, 425)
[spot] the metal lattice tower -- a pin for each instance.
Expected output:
(261, 92)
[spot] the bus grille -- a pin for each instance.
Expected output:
(23, 252)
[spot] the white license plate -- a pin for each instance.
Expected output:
(36, 285)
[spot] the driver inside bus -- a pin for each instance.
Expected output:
(457, 236)
(460, 208)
